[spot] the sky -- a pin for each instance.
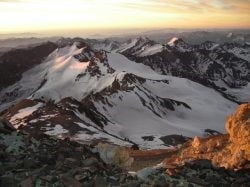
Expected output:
(62, 15)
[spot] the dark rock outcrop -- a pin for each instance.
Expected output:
(15, 62)
(5, 126)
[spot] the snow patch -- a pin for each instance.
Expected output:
(23, 113)
(55, 131)
(172, 41)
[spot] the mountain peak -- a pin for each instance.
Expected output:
(79, 42)
(139, 40)
(143, 38)
(174, 41)
(209, 45)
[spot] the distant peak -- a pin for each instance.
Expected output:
(229, 35)
(174, 41)
(78, 42)
(143, 38)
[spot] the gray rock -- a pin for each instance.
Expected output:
(145, 173)
(29, 163)
(80, 177)
(90, 161)
(160, 181)
(29, 182)
(100, 181)
(71, 162)
(70, 182)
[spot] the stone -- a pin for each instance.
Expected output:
(29, 182)
(80, 177)
(170, 171)
(122, 178)
(115, 155)
(29, 163)
(70, 182)
(100, 181)
(71, 162)
(160, 181)
(145, 173)
(90, 161)
(48, 178)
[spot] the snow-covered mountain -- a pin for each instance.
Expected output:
(222, 67)
(104, 90)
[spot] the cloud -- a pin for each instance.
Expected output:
(11, 1)
(190, 6)
(54, 14)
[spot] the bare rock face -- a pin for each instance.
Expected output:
(238, 127)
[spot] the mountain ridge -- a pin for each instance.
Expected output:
(104, 88)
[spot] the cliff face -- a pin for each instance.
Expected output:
(231, 150)
(238, 127)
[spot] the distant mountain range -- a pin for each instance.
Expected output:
(124, 92)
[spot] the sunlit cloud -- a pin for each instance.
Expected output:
(37, 15)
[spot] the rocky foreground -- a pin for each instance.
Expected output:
(43, 160)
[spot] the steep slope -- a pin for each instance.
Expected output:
(15, 62)
(107, 44)
(141, 46)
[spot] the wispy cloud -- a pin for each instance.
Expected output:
(53, 14)
(190, 6)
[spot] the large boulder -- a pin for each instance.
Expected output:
(115, 155)
(238, 127)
